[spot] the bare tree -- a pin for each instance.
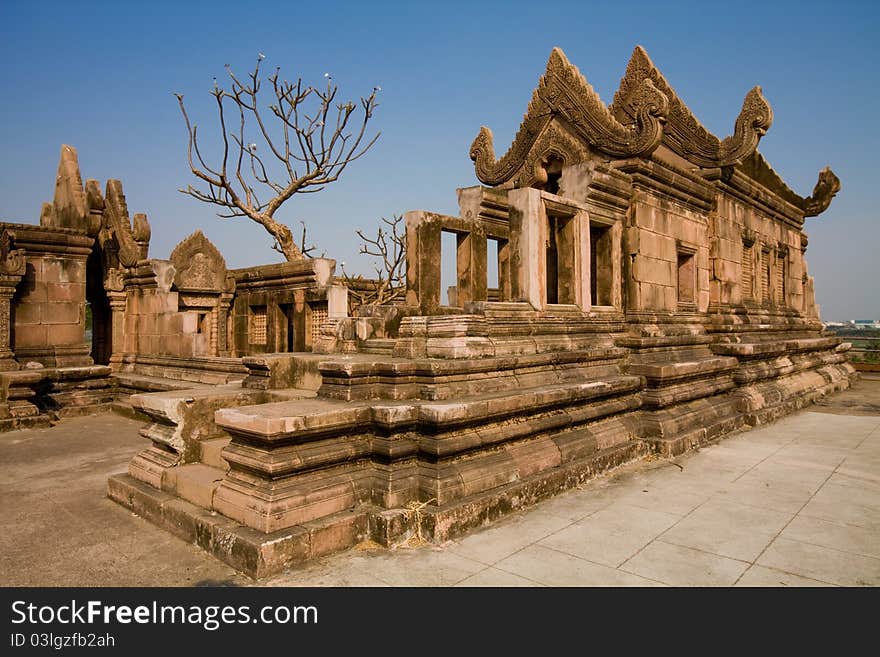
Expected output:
(389, 245)
(309, 147)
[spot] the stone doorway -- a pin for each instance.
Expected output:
(98, 306)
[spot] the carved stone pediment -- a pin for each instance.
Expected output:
(563, 93)
(199, 265)
(683, 133)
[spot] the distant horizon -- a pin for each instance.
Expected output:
(443, 74)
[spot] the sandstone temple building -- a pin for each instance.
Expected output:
(652, 296)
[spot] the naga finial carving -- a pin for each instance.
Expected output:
(826, 187)
(683, 133)
(117, 220)
(564, 93)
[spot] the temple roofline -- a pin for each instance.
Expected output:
(567, 120)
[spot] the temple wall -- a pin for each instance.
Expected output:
(747, 245)
(49, 303)
(661, 233)
(280, 308)
(154, 326)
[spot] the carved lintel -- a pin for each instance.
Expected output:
(563, 93)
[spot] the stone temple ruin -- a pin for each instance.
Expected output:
(652, 296)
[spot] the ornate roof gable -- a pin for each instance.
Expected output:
(199, 265)
(563, 92)
(683, 133)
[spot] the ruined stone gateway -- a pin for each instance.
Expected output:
(652, 296)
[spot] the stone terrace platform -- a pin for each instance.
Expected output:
(796, 502)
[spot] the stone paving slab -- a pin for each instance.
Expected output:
(794, 503)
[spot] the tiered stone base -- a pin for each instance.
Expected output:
(37, 397)
(260, 554)
(393, 446)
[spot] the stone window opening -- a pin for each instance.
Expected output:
(766, 283)
(493, 273)
(316, 315)
(779, 287)
(257, 327)
(601, 275)
(687, 278)
(559, 259)
(747, 270)
(202, 325)
(449, 241)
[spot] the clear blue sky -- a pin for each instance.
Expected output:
(100, 76)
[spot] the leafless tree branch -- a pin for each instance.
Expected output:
(389, 247)
(314, 141)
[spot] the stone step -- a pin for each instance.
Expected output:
(195, 483)
(378, 346)
(143, 383)
(210, 453)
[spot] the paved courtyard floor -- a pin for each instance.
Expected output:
(793, 503)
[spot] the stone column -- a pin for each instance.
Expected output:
(423, 245)
(117, 333)
(115, 288)
(12, 267)
(221, 312)
(7, 357)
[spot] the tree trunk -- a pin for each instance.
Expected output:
(284, 240)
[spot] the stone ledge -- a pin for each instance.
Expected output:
(769, 348)
(677, 371)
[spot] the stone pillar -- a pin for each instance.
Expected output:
(117, 332)
(471, 266)
(115, 289)
(526, 247)
(423, 248)
(12, 268)
(7, 289)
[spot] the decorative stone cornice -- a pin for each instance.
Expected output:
(683, 133)
(563, 93)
